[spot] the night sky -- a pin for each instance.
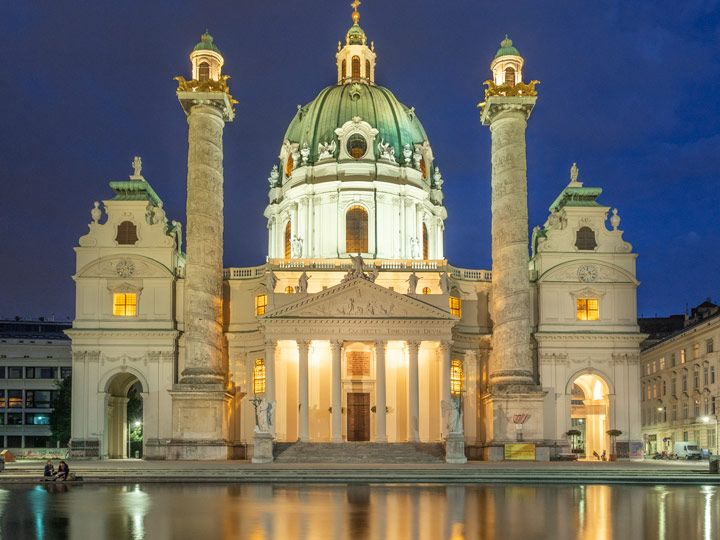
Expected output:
(630, 91)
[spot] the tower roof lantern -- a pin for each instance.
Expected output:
(206, 43)
(506, 48)
(356, 61)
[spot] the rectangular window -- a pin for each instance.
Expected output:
(260, 304)
(37, 441)
(37, 419)
(2, 423)
(674, 411)
(685, 410)
(672, 360)
(662, 363)
(125, 304)
(2, 371)
(706, 376)
(15, 399)
(38, 399)
(14, 419)
(664, 388)
(696, 378)
(65, 372)
(29, 372)
(455, 306)
(15, 372)
(682, 356)
(655, 390)
(709, 346)
(696, 409)
(2, 399)
(588, 309)
(712, 374)
(706, 404)
(696, 351)
(684, 383)
(654, 366)
(673, 386)
(712, 406)
(14, 441)
(259, 376)
(456, 378)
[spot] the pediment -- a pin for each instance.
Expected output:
(358, 299)
(603, 272)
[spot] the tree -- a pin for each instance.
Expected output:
(60, 415)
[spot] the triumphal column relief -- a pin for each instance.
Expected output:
(513, 389)
(200, 399)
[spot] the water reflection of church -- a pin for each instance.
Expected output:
(352, 351)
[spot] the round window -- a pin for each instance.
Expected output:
(356, 146)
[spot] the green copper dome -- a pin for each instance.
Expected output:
(356, 35)
(317, 121)
(506, 48)
(206, 44)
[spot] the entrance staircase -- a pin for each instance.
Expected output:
(359, 452)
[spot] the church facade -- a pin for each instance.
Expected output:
(356, 329)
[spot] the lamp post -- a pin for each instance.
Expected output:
(706, 419)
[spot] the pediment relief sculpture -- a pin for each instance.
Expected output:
(124, 267)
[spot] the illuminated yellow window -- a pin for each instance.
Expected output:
(455, 306)
(588, 309)
(426, 290)
(456, 378)
(260, 304)
(289, 289)
(288, 245)
(124, 305)
(259, 376)
(356, 230)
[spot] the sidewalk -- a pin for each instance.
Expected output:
(584, 472)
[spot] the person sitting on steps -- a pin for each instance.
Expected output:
(49, 470)
(62, 472)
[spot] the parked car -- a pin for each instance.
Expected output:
(687, 450)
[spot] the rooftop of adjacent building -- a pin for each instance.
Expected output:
(19, 328)
(661, 329)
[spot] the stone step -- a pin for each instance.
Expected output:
(359, 452)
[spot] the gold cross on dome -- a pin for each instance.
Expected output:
(355, 4)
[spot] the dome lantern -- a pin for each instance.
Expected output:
(507, 64)
(356, 61)
(206, 59)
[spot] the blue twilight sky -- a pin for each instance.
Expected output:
(630, 91)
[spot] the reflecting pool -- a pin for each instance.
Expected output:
(350, 512)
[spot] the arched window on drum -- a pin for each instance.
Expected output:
(356, 230)
(510, 76)
(288, 247)
(425, 242)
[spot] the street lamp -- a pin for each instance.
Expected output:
(706, 419)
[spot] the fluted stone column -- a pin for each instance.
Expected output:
(512, 389)
(380, 392)
(512, 364)
(413, 392)
(204, 252)
(303, 394)
(336, 374)
(200, 401)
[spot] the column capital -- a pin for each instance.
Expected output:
(271, 343)
(413, 346)
(303, 344)
(380, 343)
(445, 345)
(336, 344)
(498, 106)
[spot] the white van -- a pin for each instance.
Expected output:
(687, 450)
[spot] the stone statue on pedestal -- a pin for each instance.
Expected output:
(412, 283)
(303, 283)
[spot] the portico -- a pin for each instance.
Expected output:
(376, 370)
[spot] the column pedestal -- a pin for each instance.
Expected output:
(263, 449)
(455, 448)
(499, 409)
(199, 419)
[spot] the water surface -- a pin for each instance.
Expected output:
(359, 512)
